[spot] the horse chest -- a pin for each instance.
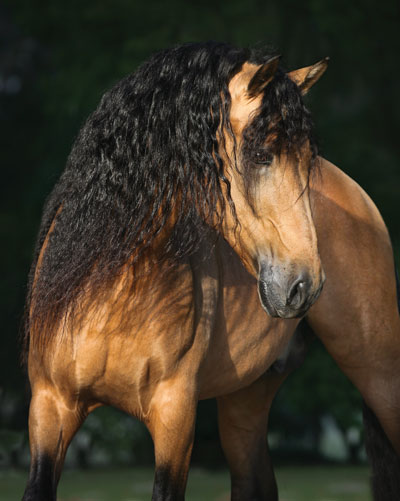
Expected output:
(244, 344)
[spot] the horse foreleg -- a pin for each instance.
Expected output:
(243, 421)
(171, 422)
(52, 424)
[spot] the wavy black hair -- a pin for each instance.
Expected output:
(149, 153)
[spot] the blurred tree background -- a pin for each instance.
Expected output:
(56, 60)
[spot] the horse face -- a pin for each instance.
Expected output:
(276, 238)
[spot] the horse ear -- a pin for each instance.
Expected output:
(306, 77)
(263, 76)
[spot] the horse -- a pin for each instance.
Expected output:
(189, 189)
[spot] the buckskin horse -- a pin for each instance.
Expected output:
(190, 206)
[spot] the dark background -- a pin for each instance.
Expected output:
(56, 60)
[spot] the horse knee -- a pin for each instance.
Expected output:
(53, 422)
(171, 422)
(52, 425)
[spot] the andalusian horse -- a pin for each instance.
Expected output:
(186, 209)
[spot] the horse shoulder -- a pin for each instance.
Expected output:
(357, 308)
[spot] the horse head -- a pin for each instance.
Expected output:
(270, 154)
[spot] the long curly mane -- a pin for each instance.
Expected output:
(150, 151)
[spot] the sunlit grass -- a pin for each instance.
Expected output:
(309, 483)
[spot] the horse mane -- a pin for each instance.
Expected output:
(149, 152)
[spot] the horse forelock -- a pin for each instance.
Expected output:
(282, 122)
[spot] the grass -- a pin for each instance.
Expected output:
(308, 483)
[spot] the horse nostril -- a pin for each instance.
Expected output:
(296, 292)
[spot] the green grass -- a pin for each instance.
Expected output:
(308, 483)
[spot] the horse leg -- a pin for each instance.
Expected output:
(382, 431)
(385, 463)
(373, 368)
(243, 421)
(171, 422)
(380, 390)
(53, 422)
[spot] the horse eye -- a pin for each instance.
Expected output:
(262, 157)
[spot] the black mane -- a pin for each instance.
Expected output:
(149, 151)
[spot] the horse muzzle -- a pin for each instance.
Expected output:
(287, 296)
